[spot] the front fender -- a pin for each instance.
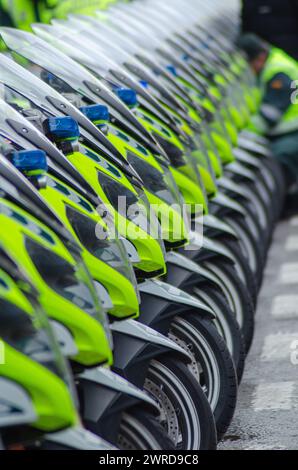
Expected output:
(135, 345)
(172, 294)
(217, 226)
(223, 204)
(256, 148)
(206, 249)
(162, 302)
(16, 406)
(238, 191)
(238, 169)
(103, 397)
(186, 274)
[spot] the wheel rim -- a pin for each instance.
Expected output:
(206, 368)
(133, 435)
(166, 389)
(220, 321)
(230, 292)
(246, 244)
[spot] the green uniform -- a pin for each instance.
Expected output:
(278, 116)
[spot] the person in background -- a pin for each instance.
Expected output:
(275, 21)
(277, 73)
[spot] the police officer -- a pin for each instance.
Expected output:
(277, 73)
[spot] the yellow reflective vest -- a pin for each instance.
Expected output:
(278, 61)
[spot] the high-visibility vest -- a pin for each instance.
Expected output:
(277, 62)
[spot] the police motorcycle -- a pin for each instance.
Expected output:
(188, 76)
(112, 73)
(147, 294)
(221, 202)
(232, 286)
(146, 345)
(223, 54)
(37, 395)
(72, 308)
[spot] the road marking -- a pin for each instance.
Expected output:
(273, 396)
(285, 306)
(278, 346)
(292, 243)
(294, 222)
(289, 273)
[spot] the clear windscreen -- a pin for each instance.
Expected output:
(63, 73)
(19, 80)
(29, 331)
(47, 92)
(134, 207)
(72, 282)
(9, 115)
(110, 49)
(87, 52)
(100, 245)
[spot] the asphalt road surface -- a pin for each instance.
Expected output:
(267, 412)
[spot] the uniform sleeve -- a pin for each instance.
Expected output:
(277, 98)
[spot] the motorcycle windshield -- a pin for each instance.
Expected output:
(85, 52)
(72, 76)
(28, 330)
(125, 53)
(25, 135)
(148, 40)
(88, 53)
(70, 281)
(156, 20)
(110, 251)
(50, 101)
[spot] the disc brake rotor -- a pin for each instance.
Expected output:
(168, 414)
(194, 366)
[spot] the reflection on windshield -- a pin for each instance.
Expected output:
(152, 178)
(24, 333)
(105, 250)
(61, 276)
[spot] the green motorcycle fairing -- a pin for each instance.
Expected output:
(158, 187)
(66, 292)
(32, 358)
(185, 175)
(127, 205)
(99, 172)
(103, 256)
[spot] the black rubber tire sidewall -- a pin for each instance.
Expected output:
(153, 427)
(206, 419)
(244, 297)
(239, 353)
(226, 404)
